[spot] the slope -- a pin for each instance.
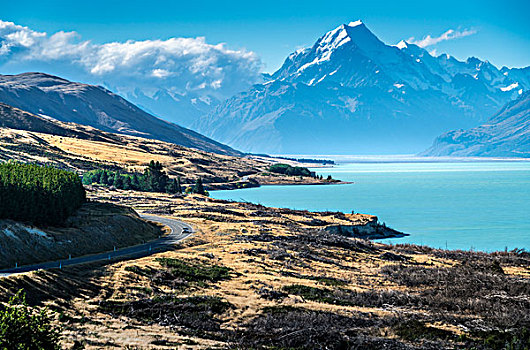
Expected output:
(84, 104)
(506, 134)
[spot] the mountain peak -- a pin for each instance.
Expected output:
(355, 23)
(355, 32)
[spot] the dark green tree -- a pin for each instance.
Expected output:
(286, 169)
(104, 178)
(135, 182)
(40, 195)
(155, 178)
(118, 180)
(199, 188)
(127, 185)
(171, 186)
(179, 185)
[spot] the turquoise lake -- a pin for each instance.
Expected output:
(460, 205)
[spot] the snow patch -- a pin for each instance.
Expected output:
(350, 103)
(399, 86)
(47, 117)
(37, 232)
(510, 87)
(355, 23)
(520, 91)
(9, 233)
(327, 45)
(402, 45)
(319, 80)
(206, 100)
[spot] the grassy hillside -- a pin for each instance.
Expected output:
(29, 138)
(94, 228)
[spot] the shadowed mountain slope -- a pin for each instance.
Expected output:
(506, 134)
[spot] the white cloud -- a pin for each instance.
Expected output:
(176, 64)
(447, 35)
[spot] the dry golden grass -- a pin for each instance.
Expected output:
(134, 153)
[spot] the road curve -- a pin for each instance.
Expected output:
(178, 231)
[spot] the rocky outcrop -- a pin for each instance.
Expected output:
(369, 230)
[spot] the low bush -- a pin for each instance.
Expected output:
(22, 327)
(195, 271)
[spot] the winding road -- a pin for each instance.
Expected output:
(178, 231)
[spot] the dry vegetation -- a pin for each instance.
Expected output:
(85, 148)
(257, 277)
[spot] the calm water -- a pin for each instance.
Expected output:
(477, 205)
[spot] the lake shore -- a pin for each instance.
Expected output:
(455, 205)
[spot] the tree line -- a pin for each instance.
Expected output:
(37, 194)
(287, 169)
(153, 179)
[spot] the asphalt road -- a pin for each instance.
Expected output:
(178, 231)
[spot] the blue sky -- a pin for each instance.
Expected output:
(273, 29)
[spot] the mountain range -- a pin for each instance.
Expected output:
(351, 93)
(506, 134)
(50, 96)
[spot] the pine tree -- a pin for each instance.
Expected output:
(179, 186)
(40, 195)
(135, 182)
(171, 186)
(127, 183)
(118, 181)
(199, 188)
(104, 178)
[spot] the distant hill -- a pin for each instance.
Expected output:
(15, 118)
(28, 138)
(350, 93)
(67, 101)
(506, 134)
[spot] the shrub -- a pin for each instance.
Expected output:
(40, 195)
(21, 327)
(194, 271)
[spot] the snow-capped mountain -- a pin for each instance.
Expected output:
(506, 134)
(352, 93)
(180, 106)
